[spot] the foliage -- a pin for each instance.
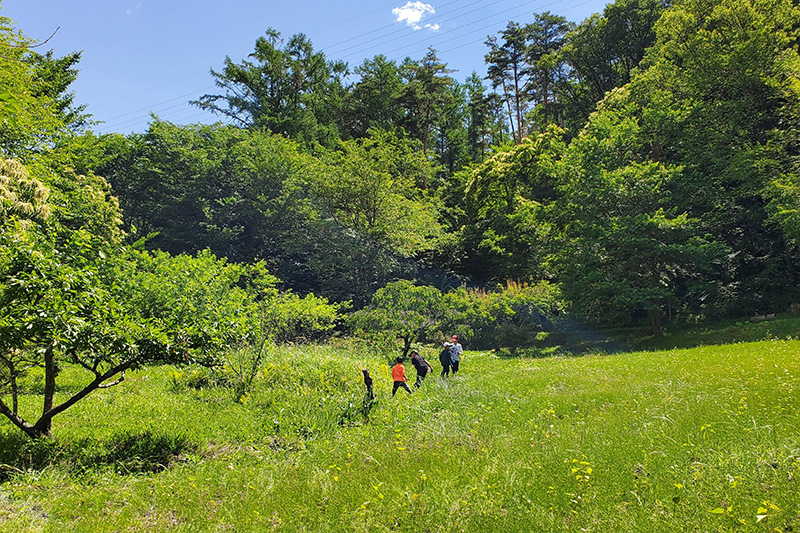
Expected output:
(662, 199)
(71, 293)
(399, 311)
(33, 100)
(216, 187)
(504, 198)
(52, 78)
(374, 186)
(507, 69)
(282, 318)
(485, 125)
(286, 89)
(510, 317)
(624, 246)
(424, 95)
(372, 101)
(546, 37)
(602, 53)
(336, 224)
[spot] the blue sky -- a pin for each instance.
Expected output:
(155, 55)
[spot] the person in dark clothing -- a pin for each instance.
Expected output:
(444, 358)
(422, 367)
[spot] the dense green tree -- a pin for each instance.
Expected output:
(450, 130)
(719, 100)
(33, 102)
(601, 53)
(337, 224)
(678, 167)
(505, 197)
(287, 89)
(624, 248)
(372, 102)
(52, 78)
(374, 186)
(233, 191)
(545, 37)
(424, 94)
(69, 293)
(400, 311)
(511, 315)
(481, 118)
(508, 70)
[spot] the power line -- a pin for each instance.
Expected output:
(364, 47)
(419, 41)
(340, 23)
(148, 108)
(401, 29)
(486, 27)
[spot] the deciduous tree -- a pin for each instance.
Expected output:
(400, 311)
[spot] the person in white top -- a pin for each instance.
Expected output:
(455, 354)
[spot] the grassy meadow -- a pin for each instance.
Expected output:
(687, 439)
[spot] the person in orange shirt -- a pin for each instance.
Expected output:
(399, 376)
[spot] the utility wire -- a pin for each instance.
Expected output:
(402, 29)
(148, 108)
(436, 40)
(483, 29)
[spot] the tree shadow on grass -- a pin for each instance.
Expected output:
(145, 452)
(571, 338)
(125, 453)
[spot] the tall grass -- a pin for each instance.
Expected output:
(704, 439)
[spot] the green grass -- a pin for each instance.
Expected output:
(699, 439)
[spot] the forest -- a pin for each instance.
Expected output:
(640, 168)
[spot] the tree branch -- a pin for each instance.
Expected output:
(116, 382)
(83, 364)
(33, 45)
(95, 384)
(15, 418)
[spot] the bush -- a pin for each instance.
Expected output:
(513, 316)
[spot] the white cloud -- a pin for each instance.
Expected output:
(412, 14)
(132, 10)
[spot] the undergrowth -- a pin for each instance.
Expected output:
(699, 439)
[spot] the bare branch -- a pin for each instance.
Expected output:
(26, 46)
(45, 41)
(14, 418)
(117, 382)
(94, 385)
(83, 364)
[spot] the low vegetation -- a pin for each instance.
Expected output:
(702, 438)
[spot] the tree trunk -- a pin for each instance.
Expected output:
(406, 345)
(369, 397)
(510, 114)
(44, 425)
(368, 384)
(518, 103)
(655, 321)
(12, 379)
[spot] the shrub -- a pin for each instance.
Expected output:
(513, 316)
